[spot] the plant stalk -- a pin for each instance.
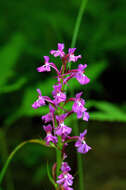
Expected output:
(75, 127)
(58, 156)
(4, 156)
(4, 169)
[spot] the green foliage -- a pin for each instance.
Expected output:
(106, 111)
(9, 56)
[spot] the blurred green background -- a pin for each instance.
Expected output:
(28, 31)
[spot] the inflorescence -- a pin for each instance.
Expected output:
(57, 133)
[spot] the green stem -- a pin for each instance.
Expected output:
(75, 127)
(58, 156)
(13, 154)
(4, 156)
(50, 177)
(81, 171)
(79, 160)
(78, 21)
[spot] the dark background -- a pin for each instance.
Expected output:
(28, 31)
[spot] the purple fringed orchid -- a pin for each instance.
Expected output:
(80, 76)
(77, 73)
(58, 94)
(58, 52)
(78, 107)
(47, 66)
(65, 167)
(62, 129)
(49, 137)
(81, 145)
(65, 179)
(72, 57)
(40, 101)
(49, 117)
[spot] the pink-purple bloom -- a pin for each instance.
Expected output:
(47, 66)
(49, 117)
(58, 94)
(62, 129)
(81, 145)
(72, 57)
(65, 179)
(65, 167)
(40, 101)
(58, 52)
(49, 138)
(78, 107)
(80, 76)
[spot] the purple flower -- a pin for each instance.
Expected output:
(68, 188)
(58, 52)
(49, 138)
(49, 117)
(78, 106)
(65, 167)
(40, 101)
(80, 76)
(47, 66)
(72, 57)
(65, 179)
(58, 94)
(81, 145)
(62, 129)
(85, 116)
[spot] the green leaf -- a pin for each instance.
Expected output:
(9, 55)
(13, 87)
(106, 111)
